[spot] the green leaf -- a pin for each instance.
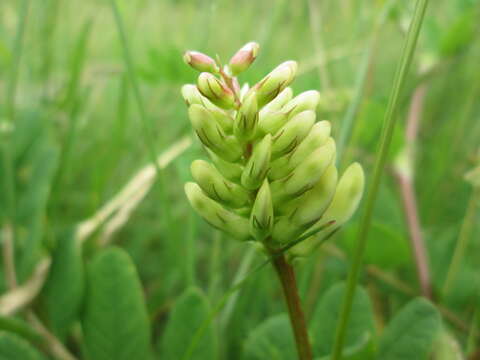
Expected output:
(273, 340)
(115, 322)
(64, 289)
(360, 351)
(35, 160)
(447, 347)
(325, 318)
(188, 314)
(21, 328)
(460, 34)
(411, 333)
(12, 347)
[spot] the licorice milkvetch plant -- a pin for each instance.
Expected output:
(272, 178)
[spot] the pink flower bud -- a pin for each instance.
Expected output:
(200, 61)
(244, 58)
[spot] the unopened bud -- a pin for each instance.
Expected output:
(231, 171)
(345, 201)
(258, 164)
(244, 57)
(289, 137)
(276, 104)
(311, 205)
(317, 137)
(247, 118)
(192, 95)
(272, 122)
(215, 214)
(223, 119)
(304, 177)
(216, 186)
(347, 196)
(307, 100)
(200, 61)
(212, 135)
(271, 85)
(261, 218)
(216, 91)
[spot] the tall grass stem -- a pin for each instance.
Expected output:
(386, 138)
(146, 126)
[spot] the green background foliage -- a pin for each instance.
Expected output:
(151, 287)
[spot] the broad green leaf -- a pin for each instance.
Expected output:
(447, 347)
(273, 340)
(460, 34)
(64, 289)
(188, 314)
(12, 347)
(115, 322)
(411, 333)
(324, 321)
(360, 351)
(21, 328)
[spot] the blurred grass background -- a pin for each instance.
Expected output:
(78, 138)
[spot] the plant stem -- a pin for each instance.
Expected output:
(297, 319)
(405, 177)
(386, 138)
(462, 243)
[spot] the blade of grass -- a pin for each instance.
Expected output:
(9, 119)
(318, 43)
(127, 58)
(8, 244)
(50, 17)
(386, 137)
(462, 242)
(72, 103)
(146, 125)
(360, 82)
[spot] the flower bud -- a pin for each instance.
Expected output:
(223, 119)
(200, 61)
(244, 57)
(272, 122)
(216, 91)
(310, 207)
(304, 177)
(272, 84)
(276, 104)
(347, 197)
(231, 171)
(258, 164)
(261, 218)
(307, 100)
(288, 137)
(212, 135)
(215, 214)
(246, 120)
(216, 186)
(191, 95)
(318, 136)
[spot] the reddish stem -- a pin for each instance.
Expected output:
(297, 319)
